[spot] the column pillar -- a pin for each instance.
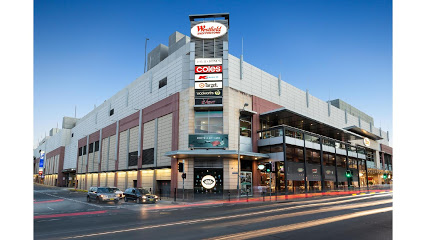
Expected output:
(322, 166)
(304, 163)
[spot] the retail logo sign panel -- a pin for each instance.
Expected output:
(208, 61)
(208, 140)
(208, 77)
(208, 101)
(208, 69)
(208, 30)
(208, 182)
(208, 85)
(41, 164)
(208, 93)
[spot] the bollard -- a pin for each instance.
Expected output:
(160, 193)
(276, 195)
(175, 194)
(263, 193)
(229, 196)
(247, 196)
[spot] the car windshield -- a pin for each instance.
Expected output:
(105, 190)
(143, 191)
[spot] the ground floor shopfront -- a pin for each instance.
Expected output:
(154, 180)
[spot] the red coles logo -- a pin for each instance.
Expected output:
(208, 69)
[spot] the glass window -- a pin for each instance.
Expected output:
(245, 125)
(341, 161)
(277, 148)
(209, 122)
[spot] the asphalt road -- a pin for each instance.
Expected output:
(60, 214)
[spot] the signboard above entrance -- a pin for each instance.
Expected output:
(208, 140)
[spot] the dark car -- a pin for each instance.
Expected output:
(102, 194)
(140, 195)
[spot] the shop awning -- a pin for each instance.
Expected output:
(216, 153)
(363, 132)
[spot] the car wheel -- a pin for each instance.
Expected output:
(139, 200)
(98, 200)
(88, 199)
(125, 199)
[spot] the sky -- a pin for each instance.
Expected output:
(86, 51)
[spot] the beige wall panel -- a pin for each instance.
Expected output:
(229, 179)
(147, 179)
(90, 163)
(164, 140)
(104, 155)
(121, 180)
(122, 151)
(102, 180)
(234, 100)
(186, 116)
(110, 179)
(95, 179)
(189, 170)
(131, 175)
(96, 161)
(133, 140)
(148, 134)
(163, 174)
(112, 154)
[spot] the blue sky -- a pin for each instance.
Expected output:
(86, 51)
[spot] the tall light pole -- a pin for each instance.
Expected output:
(146, 41)
(239, 134)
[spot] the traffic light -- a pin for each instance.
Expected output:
(184, 175)
(180, 167)
(348, 173)
(268, 167)
(385, 175)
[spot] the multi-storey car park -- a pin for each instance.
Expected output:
(186, 110)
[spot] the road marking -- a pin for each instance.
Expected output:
(297, 226)
(50, 208)
(297, 214)
(187, 222)
(48, 201)
(55, 219)
(69, 214)
(69, 199)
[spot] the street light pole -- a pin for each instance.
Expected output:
(239, 134)
(146, 40)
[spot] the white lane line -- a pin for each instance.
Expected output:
(50, 208)
(187, 222)
(55, 219)
(296, 226)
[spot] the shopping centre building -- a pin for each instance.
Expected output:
(187, 109)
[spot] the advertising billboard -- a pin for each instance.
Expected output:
(208, 140)
(208, 93)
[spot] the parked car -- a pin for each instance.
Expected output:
(140, 195)
(102, 194)
(117, 191)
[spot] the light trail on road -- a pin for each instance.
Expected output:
(188, 222)
(297, 226)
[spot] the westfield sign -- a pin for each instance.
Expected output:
(208, 30)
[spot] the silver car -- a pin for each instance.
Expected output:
(102, 194)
